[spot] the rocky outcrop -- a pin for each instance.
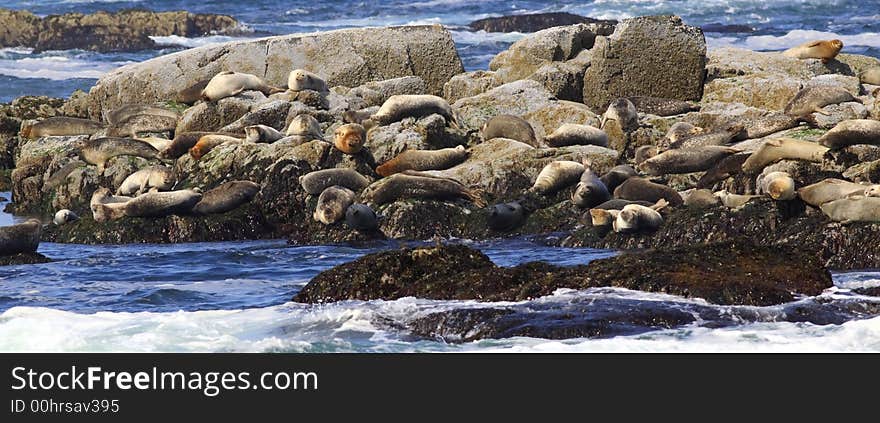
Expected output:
(533, 22)
(23, 258)
(469, 84)
(721, 273)
(349, 57)
(655, 56)
(127, 30)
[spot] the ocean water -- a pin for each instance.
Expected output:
(777, 25)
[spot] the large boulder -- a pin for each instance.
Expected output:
(656, 56)
(516, 98)
(349, 57)
(18, 28)
(469, 84)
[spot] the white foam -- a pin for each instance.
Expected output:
(55, 67)
(178, 40)
(480, 37)
(791, 39)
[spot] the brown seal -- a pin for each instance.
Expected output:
(59, 126)
(641, 189)
(510, 127)
(441, 159)
(316, 182)
(332, 204)
(820, 49)
(410, 184)
(227, 197)
(207, 143)
(349, 138)
(99, 150)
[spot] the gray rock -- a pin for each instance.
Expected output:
(272, 113)
(516, 98)
(469, 84)
(211, 116)
(376, 92)
(565, 80)
(427, 133)
(837, 113)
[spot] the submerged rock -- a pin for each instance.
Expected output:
(23, 258)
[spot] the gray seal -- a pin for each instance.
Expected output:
(590, 191)
(510, 127)
(227, 197)
(333, 203)
(361, 217)
(813, 99)
(410, 184)
(506, 216)
(852, 132)
(20, 238)
(662, 106)
(685, 160)
(640, 189)
(64, 216)
(98, 151)
(402, 106)
(316, 182)
(575, 134)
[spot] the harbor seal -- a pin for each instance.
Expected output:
(59, 176)
(641, 189)
(305, 127)
(662, 106)
(316, 182)
(151, 204)
(20, 238)
(685, 160)
(855, 208)
(333, 203)
(262, 133)
(590, 191)
(820, 49)
(699, 198)
(725, 168)
(401, 106)
(680, 131)
(510, 127)
(734, 201)
(153, 178)
(301, 80)
(359, 117)
(192, 93)
(63, 217)
(556, 176)
(778, 185)
(226, 197)
(59, 126)
(132, 118)
(617, 204)
(870, 76)
(575, 134)
(634, 218)
(812, 99)
(208, 142)
(645, 152)
(603, 218)
(160, 144)
(777, 149)
(614, 177)
(183, 142)
(361, 217)
(350, 138)
(227, 84)
(624, 112)
(441, 159)
(506, 216)
(725, 135)
(831, 189)
(852, 132)
(411, 184)
(104, 205)
(99, 150)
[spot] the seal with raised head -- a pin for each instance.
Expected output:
(725, 135)
(152, 178)
(510, 127)
(59, 126)
(20, 238)
(301, 80)
(262, 133)
(641, 189)
(778, 185)
(333, 204)
(60, 175)
(401, 106)
(852, 132)
(662, 106)
(410, 184)
(831, 189)
(441, 159)
(227, 84)
(208, 142)
(819, 49)
(777, 149)
(349, 138)
(725, 168)
(556, 176)
(305, 127)
(624, 112)
(151, 204)
(734, 201)
(99, 150)
(685, 160)
(361, 217)
(590, 191)
(226, 197)
(812, 99)
(104, 204)
(614, 177)
(855, 208)
(575, 134)
(63, 217)
(316, 182)
(635, 218)
(506, 216)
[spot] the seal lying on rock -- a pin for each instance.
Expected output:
(316, 182)
(410, 184)
(59, 126)
(641, 189)
(725, 168)
(333, 203)
(59, 176)
(262, 133)
(361, 217)
(127, 111)
(151, 204)
(778, 185)
(645, 152)
(349, 138)
(227, 197)
(401, 106)
(870, 76)
(556, 176)
(305, 127)
(181, 144)
(852, 132)
(441, 159)
(734, 201)
(856, 208)
(506, 216)
(813, 99)
(359, 117)
(603, 218)
(679, 131)
(590, 191)
(820, 49)
(192, 93)
(227, 84)
(777, 149)
(133, 118)
(699, 198)
(301, 79)
(153, 178)
(510, 127)
(636, 218)
(617, 175)
(624, 112)
(832, 189)
(574, 134)
(662, 106)
(64, 216)
(20, 238)
(725, 135)
(207, 143)
(99, 150)
(685, 160)
(617, 204)
(160, 144)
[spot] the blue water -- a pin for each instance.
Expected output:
(778, 24)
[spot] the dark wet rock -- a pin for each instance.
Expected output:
(533, 22)
(23, 258)
(873, 291)
(36, 107)
(721, 273)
